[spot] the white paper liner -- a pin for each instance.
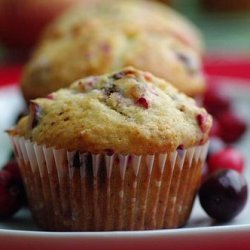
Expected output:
(82, 191)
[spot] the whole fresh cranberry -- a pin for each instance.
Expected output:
(10, 195)
(223, 194)
(13, 168)
(232, 127)
(228, 158)
(215, 102)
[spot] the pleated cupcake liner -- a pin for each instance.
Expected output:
(81, 191)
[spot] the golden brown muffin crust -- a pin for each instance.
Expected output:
(129, 111)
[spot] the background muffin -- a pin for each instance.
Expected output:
(97, 40)
(122, 151)
(145, 15)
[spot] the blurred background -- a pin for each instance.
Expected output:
(224, 24)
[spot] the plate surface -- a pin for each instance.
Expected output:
(200, 232)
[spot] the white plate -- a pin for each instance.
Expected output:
(200, 232)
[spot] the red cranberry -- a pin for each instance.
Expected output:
(90, 82)
(223, 194)
(50, 96)
(215, 102)
(142, 102)
(201, 120)
(10, 195)
(13, 168)
(228, 158)
(232, 127)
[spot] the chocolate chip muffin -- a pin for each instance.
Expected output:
(93, 41)
(121, 151)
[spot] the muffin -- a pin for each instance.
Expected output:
(122, 151)
(103, 39)
(130, 14)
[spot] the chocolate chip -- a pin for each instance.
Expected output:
(111, 89)
(182, 108)
(118, 75)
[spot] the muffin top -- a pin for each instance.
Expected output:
(130, 14)
(130, 112)
(104, 39)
